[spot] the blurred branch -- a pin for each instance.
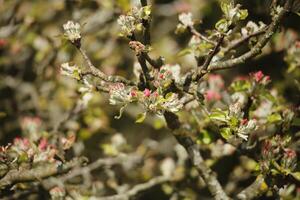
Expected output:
(39, 172)
(103, 162)
(138, 188)
(191, 147)
(255, 190)
(74, 111)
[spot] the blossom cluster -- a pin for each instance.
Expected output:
(43, 150)
(186, 21)
(232, 14)
(152, 101)
(72, 71)
(72, 31)
(241, 120)
(278, 156)
(132, 21)
(165, 75)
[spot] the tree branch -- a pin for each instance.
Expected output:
(102, 162)
(203, 69)
(40, 172)
(242, 40)
(138, 188)
(256, 50)
(256, 189)
(98, 73)
(198, 34)
(191, 147)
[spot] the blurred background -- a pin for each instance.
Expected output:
(31, 87)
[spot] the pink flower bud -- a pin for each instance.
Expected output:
(258, 76)
(3, 42)
(147, 92)
(241, 78)
(244, 121)
(155, 94)
(290, 153)
(211, 95)
(133, 93)
(298, 44)
(26, 142)
(43, 144)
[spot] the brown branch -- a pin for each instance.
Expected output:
(198, 34)
(256, 50)
(255, 190)
(39, 172)
(155, 63)
(145, 69)
(203, 69)
(191, 147)
(239, 42)
(98, 73)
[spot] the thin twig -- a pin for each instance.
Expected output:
(201, 36)
(102, 162)
(203, 69)
(98, 73)
(138, 188)
(236, 43)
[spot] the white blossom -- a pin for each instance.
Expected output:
(167, 167)
(240, 97)
(127, 24)
(186, 19)
(245, 130)
(118, 140)
(119, 94)
(86, 98)
(175, 70)
(172, 103)
(72, 31)
(236, 110)
(70, 70)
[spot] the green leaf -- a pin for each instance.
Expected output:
(141, 117)
(158, 124)
(269, 96)
(226, 133)
(169, 95)
(222, 25)
(121, 112)
(242, 85)
(145, 12)
(219, 116)
(274, 118)
(233, 122)
(226, 7)
(296, 175)
(184, 52)
(205, 137)
(243, 14)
